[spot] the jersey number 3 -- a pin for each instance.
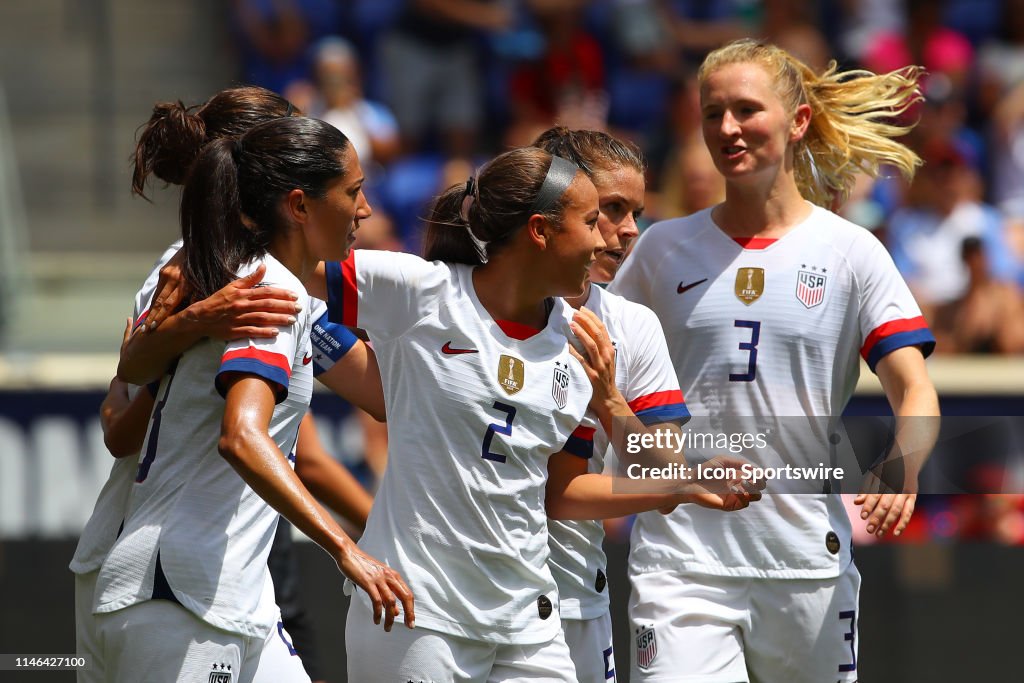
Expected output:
(506, 429)
(751, 347)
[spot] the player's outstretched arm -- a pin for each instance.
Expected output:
(915, 405)
(574, 493)
(240, 309)
(246, 445)
(327, 479)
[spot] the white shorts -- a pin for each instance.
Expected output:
(421, 654)
(159, 641)
(87, 641)
(590, 643)
(696, 628)
(279, 661)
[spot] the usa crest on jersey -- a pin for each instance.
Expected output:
(560, 384)
(646, 647)
(810, 288)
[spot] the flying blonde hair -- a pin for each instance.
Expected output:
(854, 116)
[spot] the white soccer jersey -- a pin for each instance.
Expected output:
(644, 375)
(768, 330)
(330, 343)
(190, 513)
(473, 416)
(101, 530)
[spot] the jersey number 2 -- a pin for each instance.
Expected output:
(751, 346)
(506, 429)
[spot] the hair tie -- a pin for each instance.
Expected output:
(291, 110)
(469, 195)
(560, 175)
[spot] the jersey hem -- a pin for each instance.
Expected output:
(691, 567)
(570, 609)
(247, 629)
(529, 635)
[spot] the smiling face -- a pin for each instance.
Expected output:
(335, 217)
(745, 123)
(577, 243)
(620, 193)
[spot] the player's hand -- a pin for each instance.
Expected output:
(382, 584)
(728, 494)
(885, 511)
(171, 290)
(597, 358)
(240, 309)
(884, 506)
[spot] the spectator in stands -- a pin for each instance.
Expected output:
(943, 208)
(565, 83)
(273, 38)
(431, 64)
(925, 41)
(988, 318)
(370, 126)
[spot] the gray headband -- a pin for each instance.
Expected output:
(560, 175)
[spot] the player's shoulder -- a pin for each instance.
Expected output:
(854, 245)
(676, 230)
(413, 271)
(616, 310)
(276, 275)
(843, 234)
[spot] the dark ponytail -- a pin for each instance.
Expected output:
(499, 202)
(249, 176)
(171, 140)
(168, 145)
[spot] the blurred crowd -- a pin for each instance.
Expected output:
(428, 89)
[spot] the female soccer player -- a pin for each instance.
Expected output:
(186, 584)
(484, 399)
(645, 387)
(767, 299)
(480, 390)
(168, 146)
(643, 375)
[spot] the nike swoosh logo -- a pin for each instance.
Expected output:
(305, 359)
(683, 288)
(447, 349)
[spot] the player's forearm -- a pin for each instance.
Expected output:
(148, 354)
(334, 486)
(917, 425)
(592, 496)
(124, 426)
(261, 465)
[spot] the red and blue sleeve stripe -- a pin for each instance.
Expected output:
(342, 292)
(581, 442)
(271, 366)
(896, 334)
(661, 406)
